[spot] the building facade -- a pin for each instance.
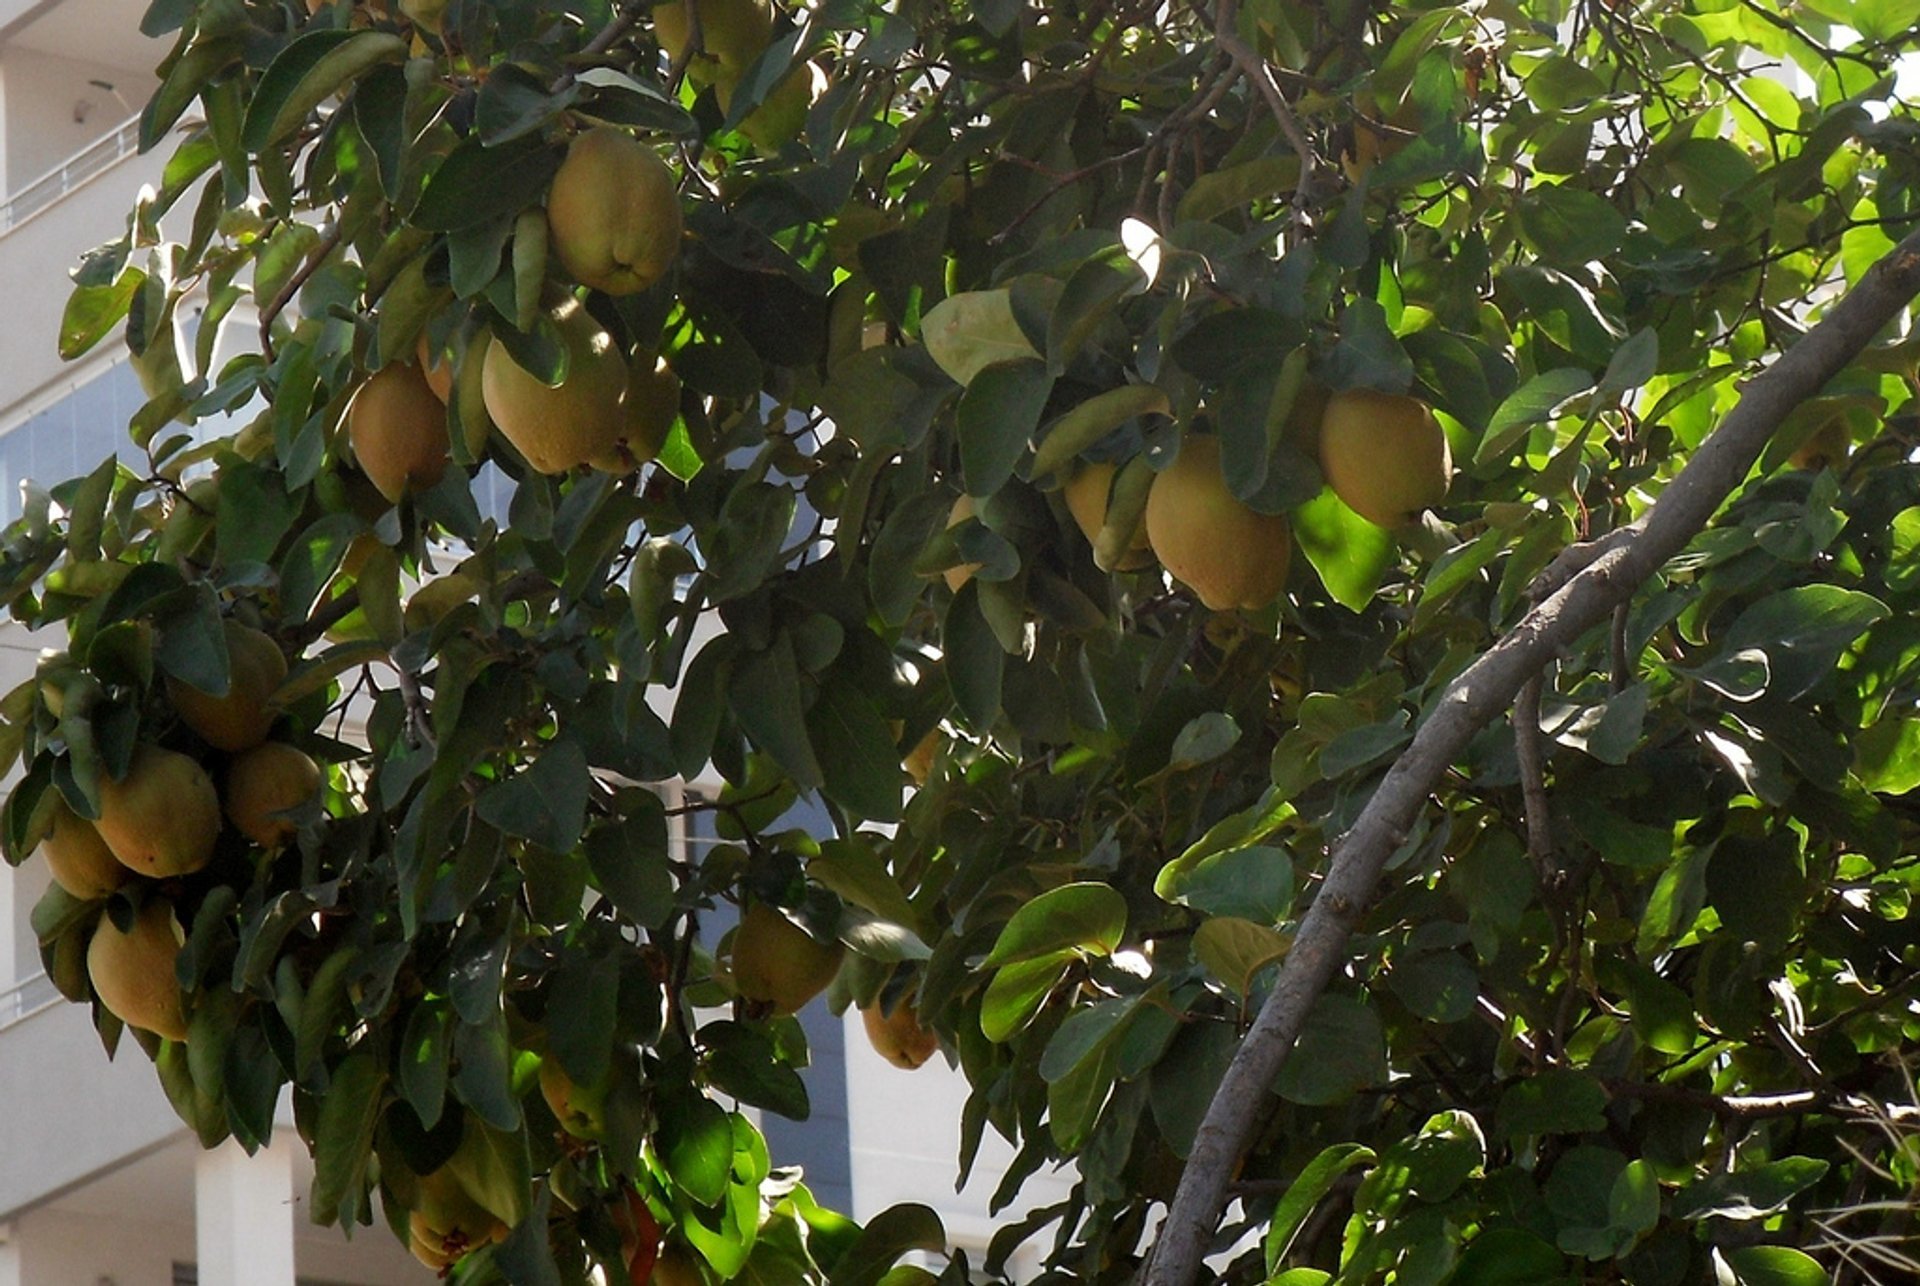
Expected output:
(100, 1183)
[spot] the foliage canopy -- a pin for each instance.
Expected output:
(1646, 1019)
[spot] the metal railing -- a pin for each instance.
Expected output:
(26, 998)
(69, 174)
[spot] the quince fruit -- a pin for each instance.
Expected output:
(398, 427)
(1385, 456)
(1223, 551)
(613, 213)
(446, 1222)
(897, 1036)
(263, 784)
(1086, 494)
(163, 817)
(558, 427)
(241, 719)
(651, 405)
(779, 964)
(132, 972)
(732, 33)
(79, 860)
(782, 114)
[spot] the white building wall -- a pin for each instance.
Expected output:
(905, 1144)
(69, 109)
(59, 1246)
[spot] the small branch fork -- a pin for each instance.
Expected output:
(1580, 590)
(1226, 35)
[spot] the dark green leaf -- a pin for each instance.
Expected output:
(996, 420)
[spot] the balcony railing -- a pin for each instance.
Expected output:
(69, 174)
(26, 998)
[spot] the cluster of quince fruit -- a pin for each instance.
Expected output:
(612, 221)
(732, 34)
(1384, 455)
(162, 818)
(779, 966)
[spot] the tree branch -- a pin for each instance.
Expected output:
(1625, 558)
(1531, 752)
(278, 304)
(1254, 67)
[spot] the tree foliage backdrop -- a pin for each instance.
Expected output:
(1633, 1000)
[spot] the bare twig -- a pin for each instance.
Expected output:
(278, 304)
(1623, 559)
(419, 716)
(1622, 677)
(1255, 69)
(1728, 1107)
(1528, 748)
(622, 22)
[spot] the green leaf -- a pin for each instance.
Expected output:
(1205, 738)
(495, 1168)
(1663, 1018)
(1750, 1192)
(1087, 918)
(1509, 1257)
(1254, 883)
(475, 184)
(1367, 354)
(1560, 1101)
(526, 1256)
(1183, 1082)
(1887, 756)
(629, 863)
(1306, 1192)
(976, 663)
(546, 801)
(92, 311)
(970, 331)
(1236, 187)
(1224, 342)
(695, 1142)
(423, 1063)
(1775, 1266)
(191, 643)
(1580, 1194)
(582, 1007)
(996, 420)
(858, 760)
(1539, 400)
(343, 1138)
(742, 1061)
(765, 698)
(1350, 554)
(514, 101)
(1633, 1204)
(1235, 951)
(1081, 1036)
(1633, 364)
(1569, 226)
(1802, 631)
(1017, 992)
(888, 1235)
(311, 69)
(1342, 1050)
(851, 869)
(1439, 986)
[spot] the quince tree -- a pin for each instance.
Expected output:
(1345, 575)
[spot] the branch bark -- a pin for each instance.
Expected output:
(1617, 566)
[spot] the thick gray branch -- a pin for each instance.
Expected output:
(1481, 692)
